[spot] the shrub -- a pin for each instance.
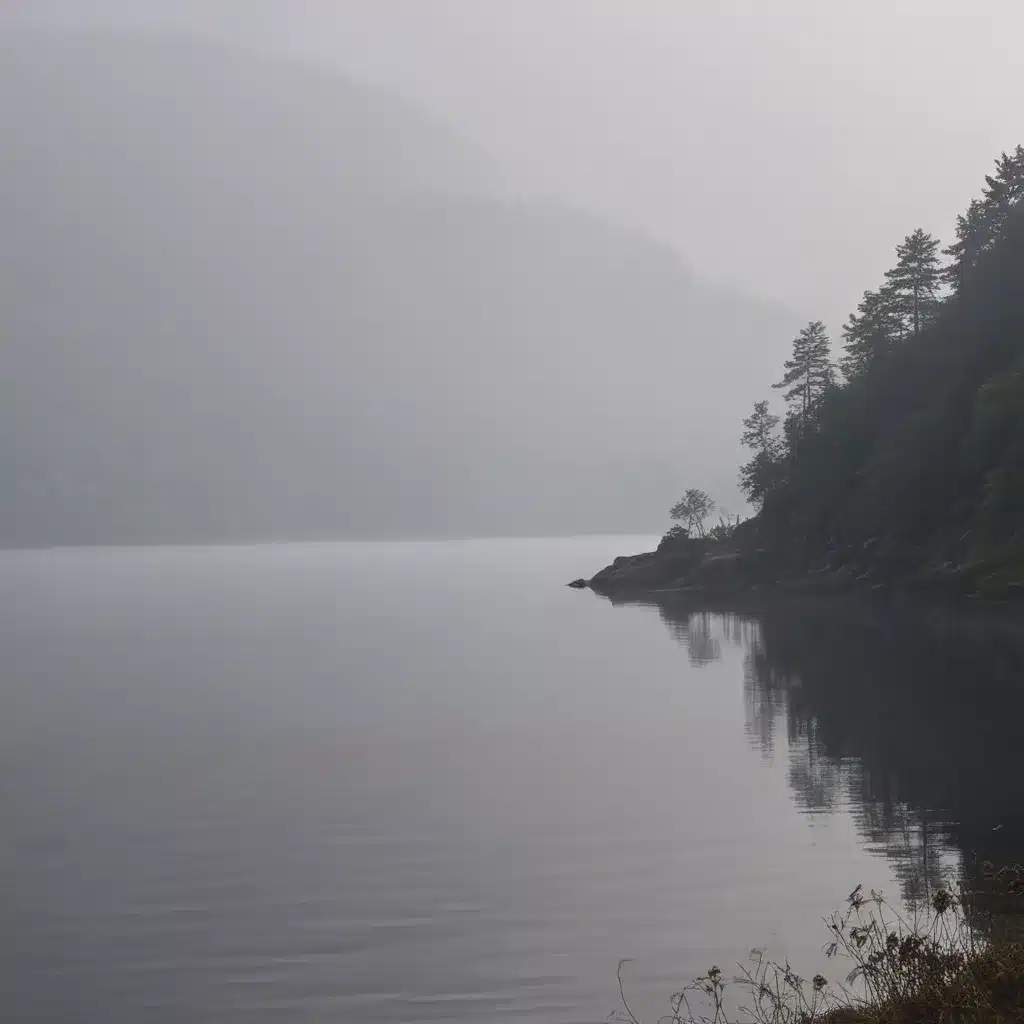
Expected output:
(942, 967)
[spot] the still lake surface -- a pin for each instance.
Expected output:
(426, 782)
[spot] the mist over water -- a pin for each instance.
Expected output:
(269, 270)
(296, 295)
(247, 299)
(427, 781)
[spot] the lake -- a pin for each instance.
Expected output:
(428, 782)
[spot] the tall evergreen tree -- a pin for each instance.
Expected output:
(965, 252)
(985, 221)
(916, 279)
(1003, 190)
(810, 374)
(926, 453)
(871, 332)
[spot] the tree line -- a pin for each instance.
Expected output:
(929, 382)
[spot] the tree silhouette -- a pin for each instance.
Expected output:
(919, 458)
(692, 509)
(916, 280)
(871, 332)
(970, 242)
(985, 221)
(809, 373)
(763, 471)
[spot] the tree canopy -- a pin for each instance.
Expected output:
(809, 371)
(984, 223)
(692, 509)
(915, 281)
(762, 472)
(921, 449)
(871, 332)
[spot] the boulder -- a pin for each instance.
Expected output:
(640, 573)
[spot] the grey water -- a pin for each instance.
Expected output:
(426, 781)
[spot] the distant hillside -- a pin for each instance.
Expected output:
(240, 299)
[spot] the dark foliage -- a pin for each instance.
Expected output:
(922, 451)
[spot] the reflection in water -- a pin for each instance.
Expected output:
(696, 632)
(908, 715)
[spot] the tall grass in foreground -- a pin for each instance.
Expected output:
(960, 960)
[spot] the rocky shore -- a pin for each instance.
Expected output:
(740, 566)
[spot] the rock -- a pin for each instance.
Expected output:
(579, 584)
(635, 573)
(687, 566)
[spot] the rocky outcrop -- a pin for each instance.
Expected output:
(685, 563)
(633, 572)
(667, 568)
(726, 568)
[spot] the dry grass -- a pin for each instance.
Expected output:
(956, 963)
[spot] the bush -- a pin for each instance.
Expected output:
(676, 537)
(944, 967)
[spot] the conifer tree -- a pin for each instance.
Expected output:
(1003, 190)
(965, 252)
(810, 374)
(985, 221)
(915, 280)
(871, 332)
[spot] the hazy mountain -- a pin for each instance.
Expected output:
(243, 299)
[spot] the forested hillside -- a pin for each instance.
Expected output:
(913, 447)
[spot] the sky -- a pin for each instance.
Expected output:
(782, 146)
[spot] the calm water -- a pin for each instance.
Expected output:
(424, 782)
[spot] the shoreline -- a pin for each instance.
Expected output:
(696, 567)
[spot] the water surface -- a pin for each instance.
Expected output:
(423, 782)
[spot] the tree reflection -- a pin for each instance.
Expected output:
(908, 716)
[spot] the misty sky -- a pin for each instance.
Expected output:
(782, 145)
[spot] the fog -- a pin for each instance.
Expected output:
(446, 268)
(783, 145)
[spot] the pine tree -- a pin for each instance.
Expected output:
(916, 279)
(985, 221)
(810, 374)
(965, 252)
(871, 332)
(1003, 190)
